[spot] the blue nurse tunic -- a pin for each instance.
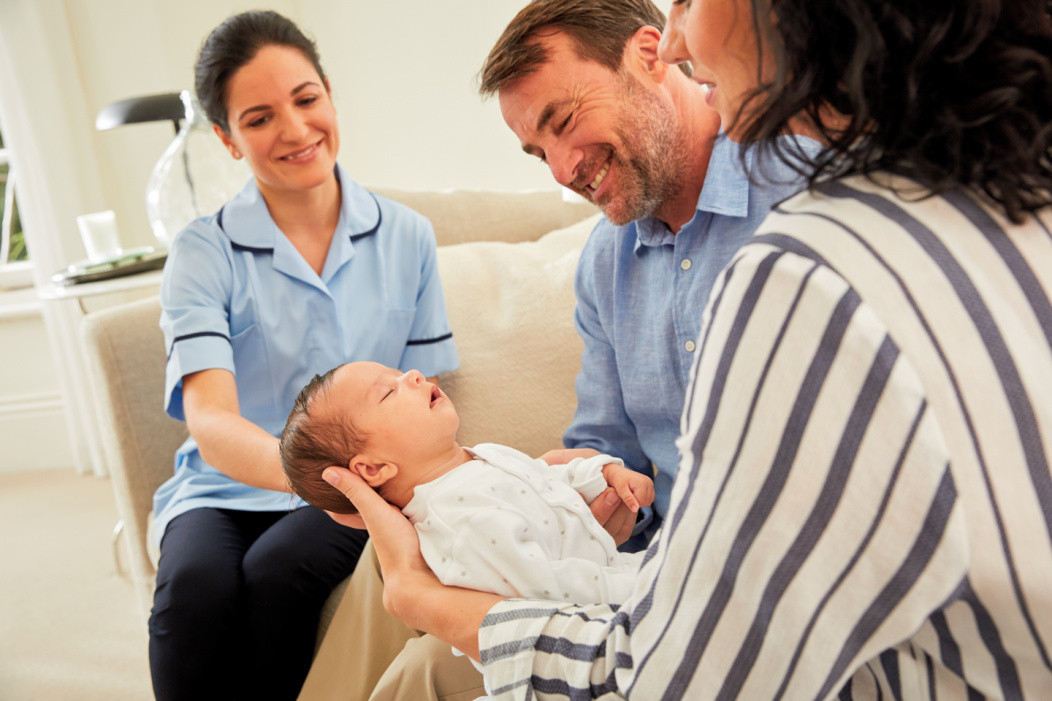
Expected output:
(237, 295)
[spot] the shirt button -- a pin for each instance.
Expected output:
(685, 264)
(689, 345)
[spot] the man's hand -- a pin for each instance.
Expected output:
(613, 515)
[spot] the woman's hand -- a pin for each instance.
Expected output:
(394, 538)
(412, 593)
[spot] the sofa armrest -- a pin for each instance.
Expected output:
(126, 359)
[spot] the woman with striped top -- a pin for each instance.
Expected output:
(864, 504)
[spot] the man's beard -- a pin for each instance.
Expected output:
(652, 162)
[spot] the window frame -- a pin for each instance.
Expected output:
(13, 274)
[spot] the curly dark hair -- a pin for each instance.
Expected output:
(235, 42)
(310, 443)
(952, 93)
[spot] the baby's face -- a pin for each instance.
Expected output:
(405, 418)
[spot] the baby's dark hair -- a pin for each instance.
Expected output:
(311, 442)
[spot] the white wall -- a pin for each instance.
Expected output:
(403, 77)
(32, 409)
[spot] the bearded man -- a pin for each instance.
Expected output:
(581, 85)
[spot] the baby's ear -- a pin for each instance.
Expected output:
(373, 473)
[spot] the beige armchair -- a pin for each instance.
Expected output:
(126, 354)
(508, 281)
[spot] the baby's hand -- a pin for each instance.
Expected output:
(563, 456)
(635, 489)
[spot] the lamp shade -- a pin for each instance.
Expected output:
(147, 108)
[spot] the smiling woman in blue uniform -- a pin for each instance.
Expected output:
(302, 271)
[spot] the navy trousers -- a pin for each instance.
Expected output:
(235, 614)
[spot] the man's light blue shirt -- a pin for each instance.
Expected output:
(237, 295)
(641, 291)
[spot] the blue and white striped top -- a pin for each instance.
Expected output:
(864, 502)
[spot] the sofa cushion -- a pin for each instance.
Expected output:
(511, 309)
(494, 216)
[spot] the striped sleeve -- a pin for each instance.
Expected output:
(815, 522)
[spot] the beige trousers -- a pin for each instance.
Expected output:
(369, 655)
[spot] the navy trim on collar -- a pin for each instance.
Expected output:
(253, 249)
(233, 244)
(379, 220)
(250, 249)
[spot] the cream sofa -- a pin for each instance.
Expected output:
(506, 261)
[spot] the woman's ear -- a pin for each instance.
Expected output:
(225, 138)
(373, 473)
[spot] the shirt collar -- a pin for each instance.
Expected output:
(247, 222)
(360, 216)
(726, 192)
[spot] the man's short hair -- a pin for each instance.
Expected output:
(600, 30)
